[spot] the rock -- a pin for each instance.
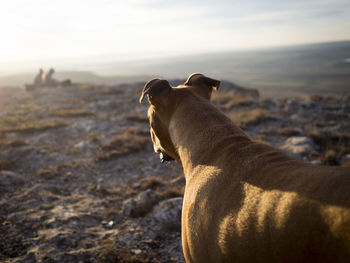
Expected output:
(309, 104)
(268, 104)
(141, 204)
(48, 259)
(30, 258)
(292, 105)
(167, 214)
(64, 241)
(102, 104)
(136, 251)
(67, 257)
(297, 118)
(345, 159)
(316, 162)
(82, 127)
(299, 145)
(10, 181)
(81, 145)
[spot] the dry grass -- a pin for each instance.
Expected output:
(23, 125)
(59, 169)
(12, 244)
(68, 113)
(18, 117)
(13, 143)
(250, 117)
(316, 98)
(326, 140)
(48, 172)
(346, 164)
(230, 100)
(260, 138)
(288, 131)
(68, 165)
(94, 137)
(10, 120)
(132, 140)
(175, 191)
(151, 182)
(330, 157)
(332, 146)
(137, 118)
(112, 254)
(6, 165)
(25, 109)
(109, 91)
(322, 124)
(114, 211)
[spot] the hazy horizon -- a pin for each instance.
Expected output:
(97, 64)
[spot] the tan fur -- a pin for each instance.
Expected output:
(245, 201)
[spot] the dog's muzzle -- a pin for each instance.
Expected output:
(164, 157)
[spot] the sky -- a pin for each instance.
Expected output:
(78, 30)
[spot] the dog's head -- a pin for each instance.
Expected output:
(202, 85)
(163, 99)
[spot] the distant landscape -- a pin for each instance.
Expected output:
(322, 68)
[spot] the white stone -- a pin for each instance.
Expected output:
(298, 145)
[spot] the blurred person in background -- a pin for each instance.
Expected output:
(39, 79)
(49, 80)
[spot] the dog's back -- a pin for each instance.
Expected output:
(256, 204)
(289, 211)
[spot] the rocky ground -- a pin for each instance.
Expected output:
(79, 181)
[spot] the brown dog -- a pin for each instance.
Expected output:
(245, 201)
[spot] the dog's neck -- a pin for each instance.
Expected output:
(199, 131)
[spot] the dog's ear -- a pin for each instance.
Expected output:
(199, 78)
(154, 89)
(202, 84)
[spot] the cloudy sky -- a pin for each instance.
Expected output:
(62, 29)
